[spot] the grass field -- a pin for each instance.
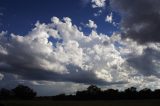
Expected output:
(84, 103)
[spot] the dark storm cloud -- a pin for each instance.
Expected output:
(140, 19)
(76, 75)
(147, 63)
(9, 81)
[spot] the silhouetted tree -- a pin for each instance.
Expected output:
(93, 89)
(131, 93)
(156, 93)
(147, 93)
(110, 94)
(1, 104)
(23, 92)
(92, 92)
(5, 94)
(60, 96)
(131, 90)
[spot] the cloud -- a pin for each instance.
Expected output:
(60, 52)
(1, 76)
(109, 18)
(137, 56)
(91, 25)
(150, 57)
(140, 19)
(98, 3)
(56, 88)
(43, 88)
(73, 55)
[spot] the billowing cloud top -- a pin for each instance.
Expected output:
(60, 52)
(63, 53)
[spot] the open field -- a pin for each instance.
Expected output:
(84, 103)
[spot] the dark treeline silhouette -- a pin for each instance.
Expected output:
(95, 93)
(20, 92)
(91, 93)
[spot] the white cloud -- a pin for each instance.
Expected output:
(55, 20)
(94, 53)
(98, 3)
(75, 57)
(91, 24)
(109, 18)
(1, 76)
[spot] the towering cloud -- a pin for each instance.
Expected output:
(60, 52)
(140, 19)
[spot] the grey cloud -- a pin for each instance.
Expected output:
(147, 63)
(140, 19)
(43, 88)
(76, 75)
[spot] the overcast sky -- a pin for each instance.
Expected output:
(61, 46)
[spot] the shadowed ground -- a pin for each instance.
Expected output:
(84, 103)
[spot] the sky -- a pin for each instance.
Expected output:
(61, 46)
(25, 13)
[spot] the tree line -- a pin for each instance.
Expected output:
(91, 93)
(19, 92)
(95, 93)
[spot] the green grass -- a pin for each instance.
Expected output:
(84, 103)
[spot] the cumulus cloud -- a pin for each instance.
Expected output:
(140, 19)
(34, 56)
(91, 24)
(60, 52)
(98, 3)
